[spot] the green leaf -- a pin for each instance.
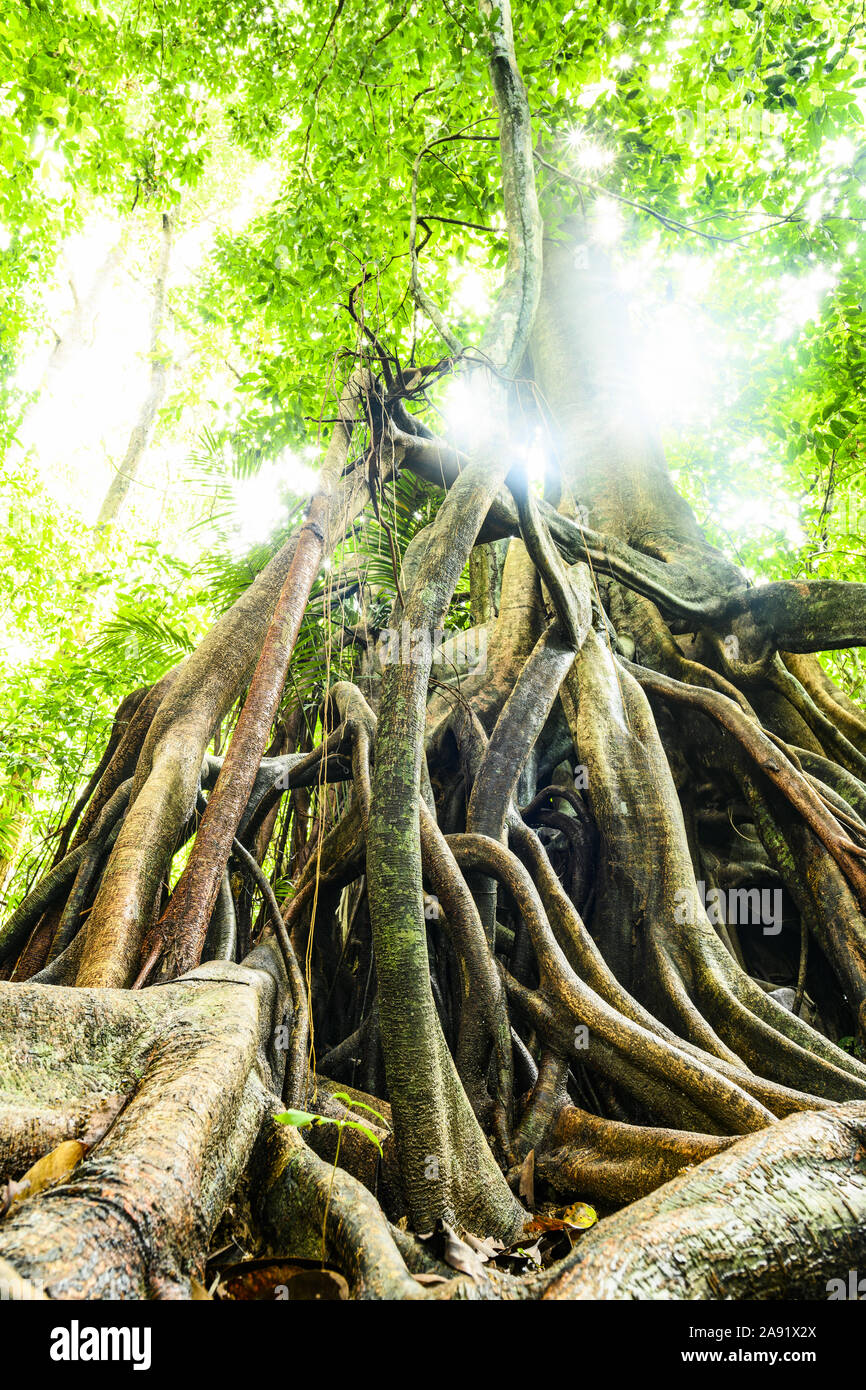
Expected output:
(298, 1118)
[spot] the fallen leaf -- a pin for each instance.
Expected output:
(577, 1217)
(519, 1253)
(526, 1189)
(484, 1249)
(581, 1215)
(52, 1168)
(461, 1256)
(540, 1225)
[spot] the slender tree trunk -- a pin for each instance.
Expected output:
(82, 322)
(160, 371)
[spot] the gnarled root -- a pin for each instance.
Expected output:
(185, 1070)
(777, 1215)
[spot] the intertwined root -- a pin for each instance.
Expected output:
(168, 1088)
(172, 1091)
(663, 1018)
(503, 982)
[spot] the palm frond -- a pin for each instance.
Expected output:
(138, 639)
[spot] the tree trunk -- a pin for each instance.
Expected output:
(160, 371)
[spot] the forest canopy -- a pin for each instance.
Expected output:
(716, 149)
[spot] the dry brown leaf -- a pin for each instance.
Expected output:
(540, 1225)
(527, 1180)
(485, 1249)
(578, 1217)
(461, 1256)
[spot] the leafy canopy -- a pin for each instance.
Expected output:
(716, 148)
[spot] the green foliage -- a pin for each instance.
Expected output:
(723, 144)
(85, 624)
(303, 1119)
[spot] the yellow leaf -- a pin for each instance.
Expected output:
(580, 1215)
(52, 1168)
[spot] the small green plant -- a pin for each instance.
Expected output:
(303, 1119)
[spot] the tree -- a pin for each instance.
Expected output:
(159, 372)
(556, 889)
